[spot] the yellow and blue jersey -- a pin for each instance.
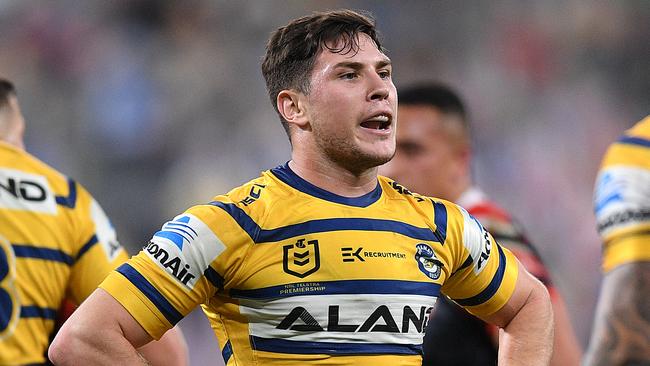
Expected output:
(290, 274)
(56, 243)
(622, 198)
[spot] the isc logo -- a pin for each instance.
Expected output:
(24, 191)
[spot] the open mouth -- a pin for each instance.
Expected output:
(378, 122)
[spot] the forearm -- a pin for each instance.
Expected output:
(621, 332)
(100, 332)
(528, 338)
(104, 348)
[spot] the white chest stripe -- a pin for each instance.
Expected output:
(380, 318)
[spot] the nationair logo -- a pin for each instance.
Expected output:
(184, 248)
(428, 263)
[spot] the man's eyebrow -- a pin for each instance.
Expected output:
(359, 65)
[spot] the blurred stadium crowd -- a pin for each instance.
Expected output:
(157, 105)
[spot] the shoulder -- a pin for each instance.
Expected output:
(234, 215)
(253, 198)
(621, 185)
(24, 167)
(35, 186)
(632, 149)
(394, 191)
(641, 128)
(443, 216)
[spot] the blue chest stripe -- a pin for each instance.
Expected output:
(37, 312)
(86, 247)
(330, 348)
(357, 287)
(260, 235)
(48, 254)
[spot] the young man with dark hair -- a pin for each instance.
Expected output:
(56, 246)
(433, 157)
(319, 261)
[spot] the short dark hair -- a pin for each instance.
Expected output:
(434, 94)
(6, 90)
(292, 50)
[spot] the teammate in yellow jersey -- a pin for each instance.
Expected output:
(434, 158)
(621, 332)
(318, 261)
(56, 245)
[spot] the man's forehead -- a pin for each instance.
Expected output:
(349, 47)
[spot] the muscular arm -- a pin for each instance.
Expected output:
(526, 322)
(621, 334)
(80, 343)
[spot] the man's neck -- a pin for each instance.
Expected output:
(334, 178)
(14, 144)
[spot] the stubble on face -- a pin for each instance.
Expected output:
(342, 151)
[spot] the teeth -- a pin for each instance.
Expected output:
(380, 118)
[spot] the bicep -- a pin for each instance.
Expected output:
(525, 286)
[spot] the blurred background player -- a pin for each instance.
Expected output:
(433, 158)
(621, 334)
(56, 246)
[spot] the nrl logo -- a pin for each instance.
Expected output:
(301, 259)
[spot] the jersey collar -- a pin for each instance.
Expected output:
(289, 177)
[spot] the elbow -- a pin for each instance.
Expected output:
(58, 350)
(541, 299)
(65, 346)
(545, 296)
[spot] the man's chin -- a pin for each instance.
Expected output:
(374, 160)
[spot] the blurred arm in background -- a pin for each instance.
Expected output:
(621, 332)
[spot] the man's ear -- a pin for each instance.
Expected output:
(292, 107)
